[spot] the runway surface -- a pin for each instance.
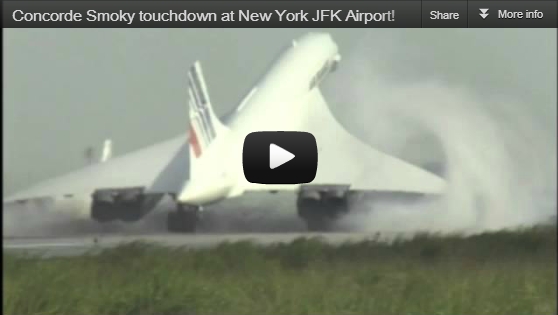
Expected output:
(47, 233)
(44, 232)
(70, 246)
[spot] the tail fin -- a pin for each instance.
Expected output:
(107, 150)
(204, 124)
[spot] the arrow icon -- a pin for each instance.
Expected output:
(278, 156)
(483, 13)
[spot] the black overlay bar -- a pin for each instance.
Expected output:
(276, 14)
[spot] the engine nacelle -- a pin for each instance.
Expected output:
(129, 204)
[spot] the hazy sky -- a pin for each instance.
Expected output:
(66, 89)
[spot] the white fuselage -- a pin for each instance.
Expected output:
(276, 105)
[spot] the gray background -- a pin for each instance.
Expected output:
(66, 89)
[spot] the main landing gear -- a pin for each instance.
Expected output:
(128, 205)
(321, 206)
(184, 219)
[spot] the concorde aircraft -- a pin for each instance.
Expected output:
(203, 165)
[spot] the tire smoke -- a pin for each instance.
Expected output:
(242, 215)
(496, 151)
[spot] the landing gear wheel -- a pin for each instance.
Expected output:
(183, 220)
(320, 212)
(310, 210)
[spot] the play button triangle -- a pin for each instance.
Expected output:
(278, 156)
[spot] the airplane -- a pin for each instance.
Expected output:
(203, 166)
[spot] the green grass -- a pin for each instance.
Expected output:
(497, 273)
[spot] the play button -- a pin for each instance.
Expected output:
(278, 156)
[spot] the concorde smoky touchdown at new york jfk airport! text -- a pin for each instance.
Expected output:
(185, 16)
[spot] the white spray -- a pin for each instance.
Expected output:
(498, 154)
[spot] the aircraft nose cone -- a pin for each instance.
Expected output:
(316, 37)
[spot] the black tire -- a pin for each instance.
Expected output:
(182, 221)
(320, 215)
(315, 214)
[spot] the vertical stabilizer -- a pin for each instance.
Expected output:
(205, 127)
(107, 150)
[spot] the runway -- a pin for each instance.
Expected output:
(46, 233)
(71, 246)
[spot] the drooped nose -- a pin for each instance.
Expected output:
(316, 38)
(321, 43)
